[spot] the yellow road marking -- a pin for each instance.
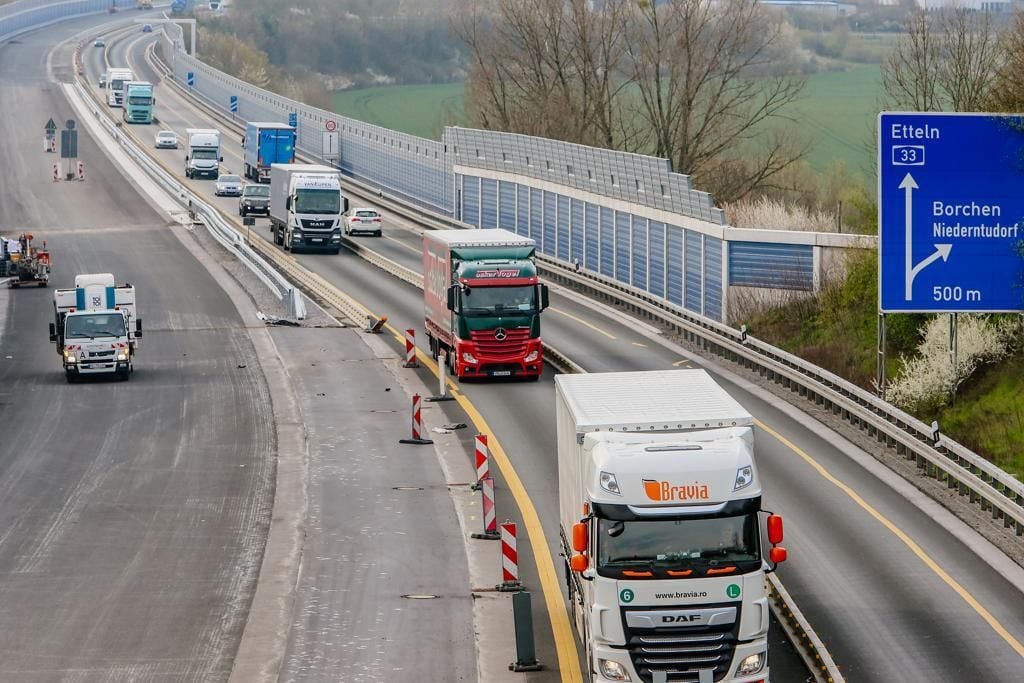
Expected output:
(907, 541)
(581, 321)
(639, 344)
(685, 361)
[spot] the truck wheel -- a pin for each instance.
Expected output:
(72, 377)
(336, 251)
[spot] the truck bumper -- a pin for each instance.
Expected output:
(614, 654)
(99, 368)
(471, 362)
(330, 241)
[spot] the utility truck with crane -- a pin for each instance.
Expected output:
(665, 539)
(483, 302)
(96, 327)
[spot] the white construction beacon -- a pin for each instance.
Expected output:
(96, 327)
(661, 524)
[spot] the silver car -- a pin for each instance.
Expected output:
(228, 186)
(166, 139)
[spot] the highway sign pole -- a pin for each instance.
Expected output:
(880, 354)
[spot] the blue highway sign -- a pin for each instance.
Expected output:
(293, 119)
(951, 213)
(191, 79)
(233, 102)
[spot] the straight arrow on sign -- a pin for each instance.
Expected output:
(908, 185)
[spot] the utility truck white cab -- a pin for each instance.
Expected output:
(661, 524)
(306, 206)
(203, 156)
(96, 327)
(116, 80)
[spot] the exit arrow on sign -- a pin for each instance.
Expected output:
(51, 126)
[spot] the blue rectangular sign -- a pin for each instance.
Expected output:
(191, 79)
(293, 119)
(950, 213)
(234, 104)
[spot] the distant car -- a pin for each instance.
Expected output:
(166, 139)
(99, 42)
(147, 28)
(254, 199)
(364, 220)
(228, 186)
(102, 81)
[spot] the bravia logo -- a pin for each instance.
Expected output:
(664, 491)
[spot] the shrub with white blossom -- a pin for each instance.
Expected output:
(927, 379)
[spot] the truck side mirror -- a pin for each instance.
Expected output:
(579, 537)
(288, 204)
(453, 294)
(775, 529)
(53, 332)
(545, 299)
(344, 204)
(220, 159)
(777, 555)
(186, 158)
(138, 327)
(579, 563)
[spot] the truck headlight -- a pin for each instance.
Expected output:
(122, 355)
(751, 665)
(613, 671)
(531, 356)
(744, 477)
(610, 484)
(468, 357)
(70, 357)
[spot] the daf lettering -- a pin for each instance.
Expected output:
(679, 618)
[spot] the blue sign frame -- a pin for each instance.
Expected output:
(950, 213)
(233, 104)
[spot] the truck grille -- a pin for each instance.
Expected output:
(100, 354)
(317, 226)
(514, 343)
(682, 652)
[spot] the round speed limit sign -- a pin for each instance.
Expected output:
(330, 126)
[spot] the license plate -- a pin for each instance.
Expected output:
(318, 239)
(502, 373)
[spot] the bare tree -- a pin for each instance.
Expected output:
(947, 60)
(709, 96)
(1007, 94)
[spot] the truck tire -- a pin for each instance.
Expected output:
(71, 377)
(336, 251)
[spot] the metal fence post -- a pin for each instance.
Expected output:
(526, 653)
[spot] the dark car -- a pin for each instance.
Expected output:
(254, 199)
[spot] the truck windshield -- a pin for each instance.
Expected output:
(317, 201)
(204, 154)
(673, 543)
(95, 325)
(117, 84)
(139, 100)
(496, 300)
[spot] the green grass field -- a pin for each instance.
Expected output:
(421, 110)
(837, 112)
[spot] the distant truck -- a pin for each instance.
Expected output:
(96, 327)
(202, 158)
(138, 102)
(143, 4)
(306, 206)
(665, 541)
(483, 300)
(180, 7)
(266, 144)
(116, 78)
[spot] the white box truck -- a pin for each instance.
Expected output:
(202, 158)
(306, 206)
(661, 524)
(116, 79)
(96, 327)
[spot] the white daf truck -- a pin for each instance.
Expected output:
(306, 206)
(203, 156)
(96, 327)
(116, 78)
(661, 524)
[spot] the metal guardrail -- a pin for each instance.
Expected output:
(221, 230)
(935, 455)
